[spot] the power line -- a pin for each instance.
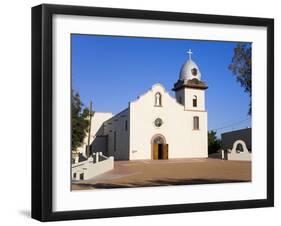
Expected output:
(232, 124)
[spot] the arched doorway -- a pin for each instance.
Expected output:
(159, 147)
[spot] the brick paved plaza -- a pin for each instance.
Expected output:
(144, 173)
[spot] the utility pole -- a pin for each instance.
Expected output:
(89, 132)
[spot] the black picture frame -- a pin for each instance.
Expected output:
(42, 111)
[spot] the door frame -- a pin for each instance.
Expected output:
(152, 143)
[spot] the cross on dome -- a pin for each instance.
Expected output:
(189, 69)
(189, 53)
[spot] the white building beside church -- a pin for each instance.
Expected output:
(157, 125)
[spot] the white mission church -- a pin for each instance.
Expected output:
(157, 125)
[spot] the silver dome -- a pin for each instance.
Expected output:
(189, 70)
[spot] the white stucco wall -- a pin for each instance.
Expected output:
(96, 128)
(187, 95)
(177, 128)
(90, 169)
(116, 125)
(234, 154)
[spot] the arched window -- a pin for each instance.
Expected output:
(194, 101)
(158, 99)
(196, 123)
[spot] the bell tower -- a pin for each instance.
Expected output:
(189, 89)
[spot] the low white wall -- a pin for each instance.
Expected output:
(234, 154)
(89, 169)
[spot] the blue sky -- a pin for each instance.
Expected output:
(111, 71)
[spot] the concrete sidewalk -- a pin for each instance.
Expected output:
(143, 173)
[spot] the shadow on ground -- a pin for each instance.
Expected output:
(25, 213)
(152, 183)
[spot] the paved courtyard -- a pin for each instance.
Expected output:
(143, 173)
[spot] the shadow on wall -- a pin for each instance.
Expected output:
(25, 213)
(99, 144)
(81, 158)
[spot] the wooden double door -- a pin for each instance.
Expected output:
(160, 151)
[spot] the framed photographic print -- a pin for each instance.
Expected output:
(145, 112)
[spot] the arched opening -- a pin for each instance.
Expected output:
(239, 148)
(194, 100)
(158, 99)
(159, 148)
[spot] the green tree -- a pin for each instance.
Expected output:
(241, 67)
(79, 120)
(214, 144)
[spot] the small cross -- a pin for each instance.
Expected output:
(189, 53)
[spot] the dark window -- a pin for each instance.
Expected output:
(194, 71)
(194, 101)
(126, 125)
(81, 176)
(196, 123)
(180, 100)
(114, 141)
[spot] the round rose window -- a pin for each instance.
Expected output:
(194, 71)
(158, 122)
